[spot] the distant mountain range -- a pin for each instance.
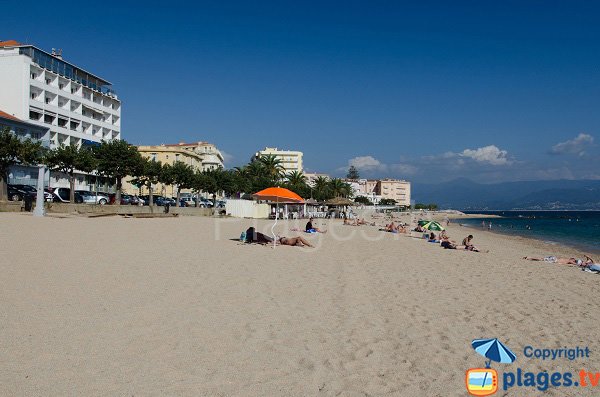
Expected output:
(464, 194)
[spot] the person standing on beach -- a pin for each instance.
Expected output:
(483, 225)
(490, 226)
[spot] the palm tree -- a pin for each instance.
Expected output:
(296, 178)
(339, 188)
(271, 167)
(321, 188)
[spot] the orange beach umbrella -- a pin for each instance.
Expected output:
(279, 195)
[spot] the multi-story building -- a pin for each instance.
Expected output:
(377, 189)
(290, 160)
(77, 107)
(19, 174)
(210, 156)
(394, 189)
(201, 156)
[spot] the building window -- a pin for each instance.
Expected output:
(48, 81)
(47, 100)
(61, 85)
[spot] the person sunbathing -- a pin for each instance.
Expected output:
(294, 241)
(449, 244)
(311, 229)
(555, 259)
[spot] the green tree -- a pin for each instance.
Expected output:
(362, 200)
(352, 173)
(271, 166)
(180, 174)
(339, 188)
(387, 201)
(148, 173)
(321, 190)
(15, 151)
(68, 159)
(117, 159)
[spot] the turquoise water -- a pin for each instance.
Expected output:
(580, 229)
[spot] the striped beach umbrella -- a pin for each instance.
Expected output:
(433, 225)
(494, 350)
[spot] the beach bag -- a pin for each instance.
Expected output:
(243, 237)
(250, 235)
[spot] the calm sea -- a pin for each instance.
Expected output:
(580, 229)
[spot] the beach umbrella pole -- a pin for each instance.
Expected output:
(273, 227)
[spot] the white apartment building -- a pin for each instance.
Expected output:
(290, 160)
(79, 108)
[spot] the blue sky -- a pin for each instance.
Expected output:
(425, 91)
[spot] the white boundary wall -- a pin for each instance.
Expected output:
(247, 209)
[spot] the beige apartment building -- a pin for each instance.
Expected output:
(290, 160)
(394, 189)
(200, 156)
(377, 189)
(211, 157)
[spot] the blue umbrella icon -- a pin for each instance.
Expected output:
(493, 350)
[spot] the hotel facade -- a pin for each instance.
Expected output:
(377, 189)
(201, 156)
(77, 107)
(290, 160)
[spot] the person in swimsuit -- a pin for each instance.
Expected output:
(469, 245)
(585, 263)
(295, 241)
(311, 229)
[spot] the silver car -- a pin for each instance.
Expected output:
(93, 198)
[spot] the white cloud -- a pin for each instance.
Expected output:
(576, 145)
(367, 163)
(489, 154)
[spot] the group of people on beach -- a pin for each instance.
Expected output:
(253, 236)
(587, 263)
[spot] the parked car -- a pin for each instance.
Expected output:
(63, 195)
(156, 200)
(93, 197)
(188, 201)
(16, 192)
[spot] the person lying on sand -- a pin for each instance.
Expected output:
(562, 261)
(294, 241)
(311, 229)
(393, 228)
(448, 244)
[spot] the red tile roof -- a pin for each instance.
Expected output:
(8, 116)
(9, 43)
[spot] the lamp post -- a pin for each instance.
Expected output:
(39, 200)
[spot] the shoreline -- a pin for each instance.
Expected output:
(539, 241)
(361, 313)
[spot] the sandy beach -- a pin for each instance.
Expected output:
(114, 307)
